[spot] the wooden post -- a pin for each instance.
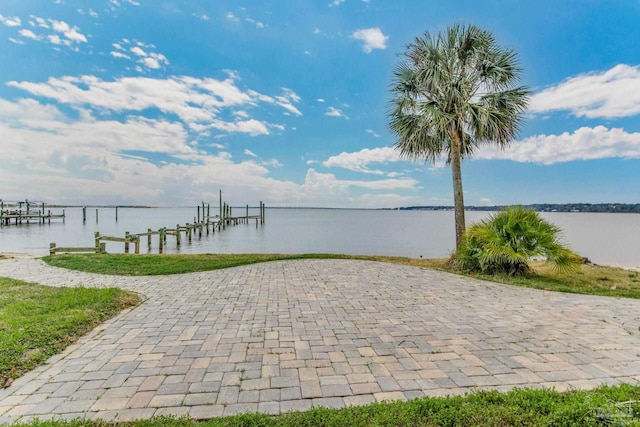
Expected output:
(43, 214)
(96, 215)
(160, 240)
(198, 209)
(246, 220)
(84, 214)
(63, 216)
(116, 214)
(52, 249)
(126, 242)
(96, 236)
(137, 244)
(178, 235)
(261, 212)
(103, 248)
(189, 231)
(149, 232)
(220, 205)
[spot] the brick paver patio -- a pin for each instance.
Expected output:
(291, 335)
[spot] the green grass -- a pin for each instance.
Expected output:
(520, 407)
(589, 279)
(37, 321)
(146, 265)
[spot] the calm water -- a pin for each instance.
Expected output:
(611, 239)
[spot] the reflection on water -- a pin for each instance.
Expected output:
(603, 238)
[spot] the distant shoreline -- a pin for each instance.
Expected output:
(547, 207)
(538, 207)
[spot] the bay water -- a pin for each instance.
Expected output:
(611, 239)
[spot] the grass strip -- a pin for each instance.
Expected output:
(148, 265)
(618, 405)
(590, 279)
(38, 321)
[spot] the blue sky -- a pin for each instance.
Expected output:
(167, 102)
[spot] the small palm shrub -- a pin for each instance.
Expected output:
(506, 242)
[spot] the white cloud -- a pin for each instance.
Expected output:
(114, 4)
(138, 51)
(231, 17)
(249, 153)
(258, 24)
(54, 38)
(359, 161)
(71, 33)
(373, 38)
(108, 161)
(10, 21)
(315, 180)
(28, 34)
(486, 201)
(583, 144)
(335, 3)
(273, 163)
(335, 112)
(143, 54)
(117, 54)
(320, 100)
(154, 60)
(608, 94)
(372, 132)
(196, 102)
(39, 22)
(64, 34)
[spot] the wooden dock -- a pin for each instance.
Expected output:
(203, 222)
(22, 213)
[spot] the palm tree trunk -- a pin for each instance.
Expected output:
(458, 196)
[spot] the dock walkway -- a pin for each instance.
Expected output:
(290, 335)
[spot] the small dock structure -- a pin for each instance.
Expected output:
(26, 212)
(203, 223)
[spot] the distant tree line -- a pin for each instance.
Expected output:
(546, 207)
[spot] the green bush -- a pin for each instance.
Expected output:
(506, 242)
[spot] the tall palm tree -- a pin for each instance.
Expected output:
(454, 91)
